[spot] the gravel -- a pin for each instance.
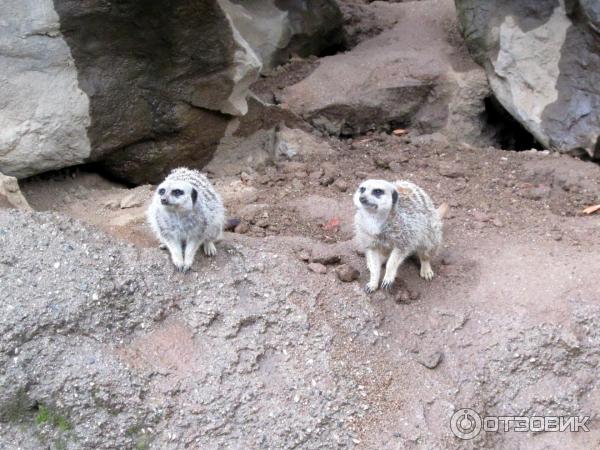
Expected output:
(103, 345)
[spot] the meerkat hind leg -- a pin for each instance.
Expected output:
(426, 270)
(209, 248)
(391, 268)
(374, 260)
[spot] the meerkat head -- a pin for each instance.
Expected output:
(177, 194)
(375, 196)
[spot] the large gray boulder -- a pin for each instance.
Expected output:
(44, 113)
(138, 87)
(541, 58)
(86, 81)
(415, 74)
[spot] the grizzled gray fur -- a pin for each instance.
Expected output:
(393, 221)
(186, 212)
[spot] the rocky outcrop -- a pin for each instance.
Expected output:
(415, 74)
(44, 113)
(138, 86)
(11, 195)
(541, 59)
(264, 147)
(277, 30)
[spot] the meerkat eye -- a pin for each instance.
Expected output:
(161, 191)
(177, 192)
(377, 192)
(362, 189)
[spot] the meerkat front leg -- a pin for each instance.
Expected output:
(391, 268)
(374, 260)
(176, 251)
(189, 253)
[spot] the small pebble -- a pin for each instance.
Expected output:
(395, 166)
(430, 359)
(347, 273)
(406, 295)
(326, 180)
(452, 171)
(242, 228)
(341, 185)
(304, 255)
(317, 268)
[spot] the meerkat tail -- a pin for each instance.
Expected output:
(442, 210)
(399, 184)
(403, 188)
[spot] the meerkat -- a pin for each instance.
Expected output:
(396, 220)
(186, 212)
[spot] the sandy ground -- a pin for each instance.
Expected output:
(508, 325)
(103, 345)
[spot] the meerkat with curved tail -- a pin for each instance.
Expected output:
(186, 212)
(396, 219)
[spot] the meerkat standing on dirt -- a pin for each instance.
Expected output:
(396, 219)
(185, 213)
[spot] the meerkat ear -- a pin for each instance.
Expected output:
(394, 196)
(194, 196)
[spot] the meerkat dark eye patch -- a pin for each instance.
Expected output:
(377, 192)
(194, 196)
(394, 197)
(177, 192)
(362, 189)
(161, 191)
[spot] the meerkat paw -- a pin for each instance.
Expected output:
(371, 287)
(181, 267)
(179, 264)
(388, 284)
(209, 249)
(426, 272)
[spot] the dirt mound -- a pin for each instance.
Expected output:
(274, 343)
(417, 73)
(104, 344)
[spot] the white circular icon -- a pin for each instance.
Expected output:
(465, 423)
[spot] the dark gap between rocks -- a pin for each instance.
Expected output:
(505, 130)
(333, 49)
(73, 172)
(105, 173)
